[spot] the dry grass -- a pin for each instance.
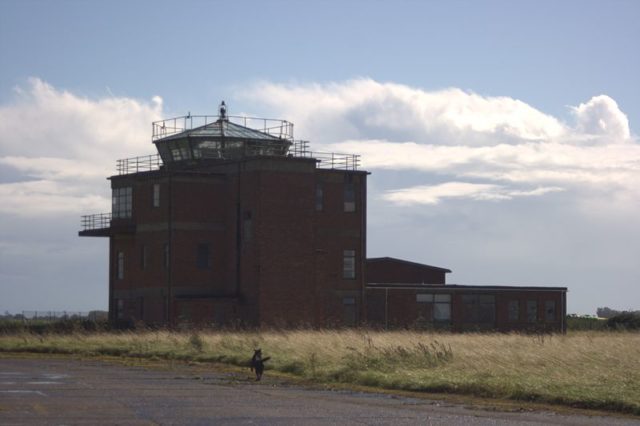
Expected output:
(583, 369)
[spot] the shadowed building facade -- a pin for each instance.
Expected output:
(234, 222)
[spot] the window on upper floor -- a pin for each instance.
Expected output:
(349, 197)
(203, 256)
(143, 257)
(120, 266)
(156, 195)
(121, 201)
(319, 197)
(349, 264)
(166, 257)
(247, 226)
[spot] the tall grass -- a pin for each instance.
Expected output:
(588, 369)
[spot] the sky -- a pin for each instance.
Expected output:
(501, 137)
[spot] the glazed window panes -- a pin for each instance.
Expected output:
(121, 202)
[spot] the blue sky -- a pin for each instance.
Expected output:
(502, 136)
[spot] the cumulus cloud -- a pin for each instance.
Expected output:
(59, 146)
(483, 147)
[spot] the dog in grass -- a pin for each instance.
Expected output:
(257, 363)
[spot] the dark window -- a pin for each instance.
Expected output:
(143, 257)
(203, 260)
(349, 264)
(120, 266)
(247, 227)
(532, 310)
(119, 308)
(166, 256)
(349, 197)
(550, 310)
(514, 310)
(319, 197)
(479, 308)
(156, 195)
(121, 199)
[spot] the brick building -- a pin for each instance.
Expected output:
(234, 222)
(407, 294)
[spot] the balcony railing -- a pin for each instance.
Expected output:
(96, 221)
(326, 160)
(145, 163)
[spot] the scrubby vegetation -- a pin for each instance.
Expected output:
(583, 369)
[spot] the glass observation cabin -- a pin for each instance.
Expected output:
(221, 137)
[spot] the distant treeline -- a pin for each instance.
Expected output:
(610, 313)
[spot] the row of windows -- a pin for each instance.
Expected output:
(122, 199)
(203, 260)
(532, 310)
(481, 308)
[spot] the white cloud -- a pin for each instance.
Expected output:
(61, 146)
(465, 138)
(433, 194)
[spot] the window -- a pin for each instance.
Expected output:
(550, 310)
(143, 257)
(156, 195)
(348, 300)
(166, 256)
(121, 202)
(319, 197)
(435, 307)
(247, 227)
(532, 310)
(349, 264)
(424, 298)
(442, 307)
(349, 197)
(120, 266)
(203, 259)
(514, 310)
(119, 308)
(180, 153)
(479, 309)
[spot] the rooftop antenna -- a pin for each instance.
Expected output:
(223, 111)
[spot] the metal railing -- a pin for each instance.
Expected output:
(171, 126)
(144, 163)
(96, 221)
(326, 160)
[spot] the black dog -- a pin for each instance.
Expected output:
(257, 363)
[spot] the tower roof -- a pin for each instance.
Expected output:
(222, 129)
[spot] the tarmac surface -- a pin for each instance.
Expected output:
(35, 391)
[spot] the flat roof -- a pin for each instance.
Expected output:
(460, 287)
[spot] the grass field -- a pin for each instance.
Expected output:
(591, 369)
